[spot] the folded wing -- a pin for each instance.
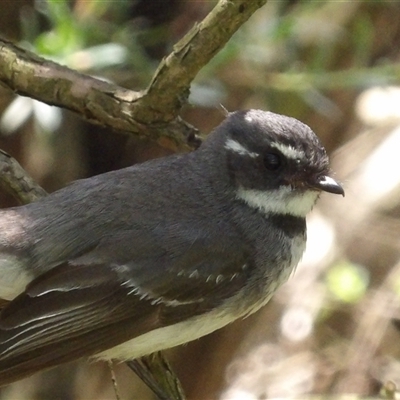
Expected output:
(78, 310)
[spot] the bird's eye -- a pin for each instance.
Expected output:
(272, 161)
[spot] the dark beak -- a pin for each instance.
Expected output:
(328, 184)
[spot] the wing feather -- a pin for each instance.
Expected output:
(46, 327)
(79, 310)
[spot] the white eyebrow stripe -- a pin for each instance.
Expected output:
(235, 146)
(289, 151)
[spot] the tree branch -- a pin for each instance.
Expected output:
(169, 87)
(153, 112)
(17, 182)
(95, 100)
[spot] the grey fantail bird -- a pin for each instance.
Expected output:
(155, 255)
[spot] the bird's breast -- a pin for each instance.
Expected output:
(272, 269)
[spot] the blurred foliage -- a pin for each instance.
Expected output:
(329, 330)
(86, 37)
(347, 281)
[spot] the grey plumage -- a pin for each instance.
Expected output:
(164, 252)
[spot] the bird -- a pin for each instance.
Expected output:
(149, 257)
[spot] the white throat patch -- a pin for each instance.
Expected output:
(279, 201)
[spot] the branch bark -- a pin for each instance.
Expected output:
(95, 100)
(17, 182)
(152, 112)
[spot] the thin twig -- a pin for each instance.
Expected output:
(156, 372)
(114, 380)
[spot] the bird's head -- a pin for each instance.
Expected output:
(275, 163)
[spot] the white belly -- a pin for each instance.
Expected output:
(167, 337)
(13, 277)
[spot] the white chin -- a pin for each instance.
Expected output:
(280, 201)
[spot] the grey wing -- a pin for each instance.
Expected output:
(54, 321)
(79, 309)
